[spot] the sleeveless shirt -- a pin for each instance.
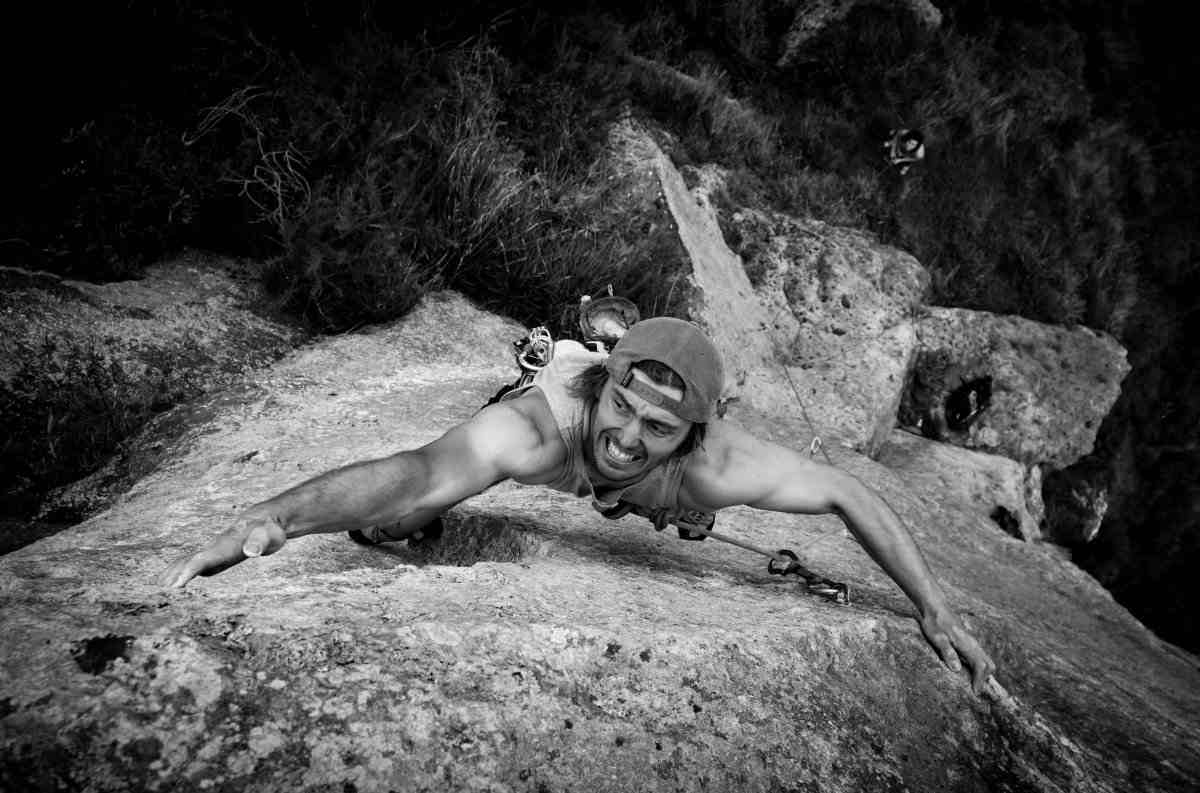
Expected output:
(657, 492)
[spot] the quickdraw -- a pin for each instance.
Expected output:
(836, 591)
(694, 525)
(784, 563)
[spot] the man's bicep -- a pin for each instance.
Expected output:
(765, 475)
(476, 454)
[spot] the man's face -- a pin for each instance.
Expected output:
(629, 435)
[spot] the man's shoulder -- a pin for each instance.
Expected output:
(526, 428)
(707, 467)
(721, 441)
(525, 418)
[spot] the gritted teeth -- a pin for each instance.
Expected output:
(617, 453)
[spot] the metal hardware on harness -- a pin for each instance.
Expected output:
(693, 525)
(535, 350)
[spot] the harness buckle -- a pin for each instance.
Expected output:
(535, 350)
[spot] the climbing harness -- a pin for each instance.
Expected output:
(602, 322)
(532, 353)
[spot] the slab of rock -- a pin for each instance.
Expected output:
(843, 307)
(575, 654)
(995, 487)
(721, 299)
(1050, 387)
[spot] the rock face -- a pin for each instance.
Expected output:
(842, 306)
(824, 323)
(995, 487)
(827, 331)
(721, 299)
(1050, 386)
(576, 654)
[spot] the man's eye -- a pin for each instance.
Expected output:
(620, 405)
(660, 429)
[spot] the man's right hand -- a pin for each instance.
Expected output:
(256, 535)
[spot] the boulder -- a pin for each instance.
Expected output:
(541, 647)
(842, 307)
(1077, 501)
(1049, 387)
(1003, 490)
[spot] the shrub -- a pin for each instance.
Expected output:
(714, 125)
(390, 170)
(1019, 205)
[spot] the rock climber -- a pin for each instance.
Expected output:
(636, 427)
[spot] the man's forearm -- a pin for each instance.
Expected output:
(883, 535)
(375, 492)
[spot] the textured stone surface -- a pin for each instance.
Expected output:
(1051, 386)
(831, 317)
(578, 654)
(983, 482)
(721, 298)
(842, 308)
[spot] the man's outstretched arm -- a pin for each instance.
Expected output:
(767, 476)
(409, 487)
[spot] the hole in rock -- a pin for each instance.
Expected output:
(967, 401)
(475, 537)
(1007, 520)
(96, 654)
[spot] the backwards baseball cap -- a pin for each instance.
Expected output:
(686, 350)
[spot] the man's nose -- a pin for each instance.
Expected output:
(630, 433)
